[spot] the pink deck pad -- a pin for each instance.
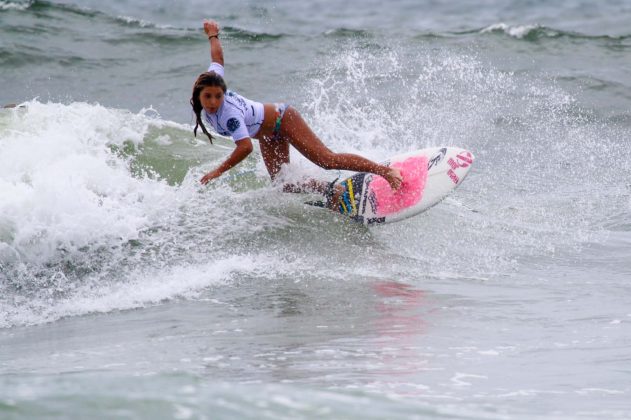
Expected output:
(414, 172)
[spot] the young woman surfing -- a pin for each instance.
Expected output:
(276, 126)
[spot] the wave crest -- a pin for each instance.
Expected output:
(522, 31)
(534, 32)
(15, 5)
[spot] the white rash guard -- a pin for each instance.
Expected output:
(237, 117)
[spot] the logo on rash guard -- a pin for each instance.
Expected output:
(233, 124)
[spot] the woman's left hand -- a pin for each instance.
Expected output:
(215, 173)
(211, 27)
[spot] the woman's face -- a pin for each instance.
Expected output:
(211, 98)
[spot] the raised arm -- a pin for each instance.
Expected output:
(212, 31)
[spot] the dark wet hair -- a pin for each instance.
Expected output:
(210, 78)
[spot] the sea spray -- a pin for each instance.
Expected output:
(95, 198)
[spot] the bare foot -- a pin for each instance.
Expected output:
(394, 178)
(335, 199)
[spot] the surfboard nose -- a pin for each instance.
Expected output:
(458, 163)
(464, 158)
(459, 158)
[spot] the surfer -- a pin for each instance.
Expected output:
(276, 126)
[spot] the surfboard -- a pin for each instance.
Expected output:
(429, 175)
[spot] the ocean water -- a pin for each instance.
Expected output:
(128, 290)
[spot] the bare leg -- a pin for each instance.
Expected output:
(296, 131)
(275, 155)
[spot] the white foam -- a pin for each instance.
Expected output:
(139, 288)
(67, 196)
(62, 187)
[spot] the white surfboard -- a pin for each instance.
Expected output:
(429, 175)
